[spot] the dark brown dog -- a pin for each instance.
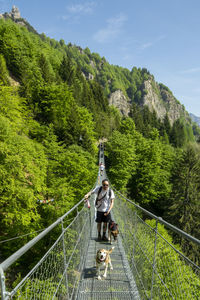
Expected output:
(113, 231)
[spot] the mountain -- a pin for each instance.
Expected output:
(121, 86)
(195, 119)
(34, 60)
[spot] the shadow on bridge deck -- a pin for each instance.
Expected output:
(119, 283)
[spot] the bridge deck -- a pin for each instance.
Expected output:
(119, 283)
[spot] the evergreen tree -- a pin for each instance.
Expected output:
(136, 115)
(4, 80)
(46, 69)
(121, 159)
(178, 136)
(184, 211)
(67, 70)
(167, 125)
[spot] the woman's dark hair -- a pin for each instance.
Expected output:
(104, 180)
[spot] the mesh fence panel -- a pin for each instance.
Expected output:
(57, 274)
(160, 269)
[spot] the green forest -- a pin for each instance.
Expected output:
(51, 119)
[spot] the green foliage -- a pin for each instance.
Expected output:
(184, 210)
(70, 173)
(22, 175)
(143, 166)
(150, 182)
(25, 51)
(121, 155)
(169, 266)
(181, 134)
(12, 107)
(3, 72)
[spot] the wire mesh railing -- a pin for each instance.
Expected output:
(57, 274)
(160, 268)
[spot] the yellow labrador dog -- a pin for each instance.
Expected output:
(103, 259)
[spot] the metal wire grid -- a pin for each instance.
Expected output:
(57, 274)
(161, 271)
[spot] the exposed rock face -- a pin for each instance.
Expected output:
(163, 102)
(92, 64)
(118, 100)
(90, 76)
(151, 99)
(157, 98)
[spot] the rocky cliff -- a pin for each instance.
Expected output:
(118, 100)
(157, 97)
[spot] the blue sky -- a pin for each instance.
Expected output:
(160, 35)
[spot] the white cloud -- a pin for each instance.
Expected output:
(146, 45)
(190, 71)
(152, 43)
(75, 11)
(65, 17)
(112, 30)
(85, 8)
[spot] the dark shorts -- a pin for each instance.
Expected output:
(101, 218)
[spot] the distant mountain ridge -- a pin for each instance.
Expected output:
(195, 119)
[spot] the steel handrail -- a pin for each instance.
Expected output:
(11, 259)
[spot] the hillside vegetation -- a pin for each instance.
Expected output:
(51, 118)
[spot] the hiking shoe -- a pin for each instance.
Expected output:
(104, 238)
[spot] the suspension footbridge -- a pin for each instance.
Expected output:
(146, 264)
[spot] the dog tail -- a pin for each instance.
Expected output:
(110, 251)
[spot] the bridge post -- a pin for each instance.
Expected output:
(65, 262)
(2, 284)
(154, 259)
(90, 216)
(134, 235)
